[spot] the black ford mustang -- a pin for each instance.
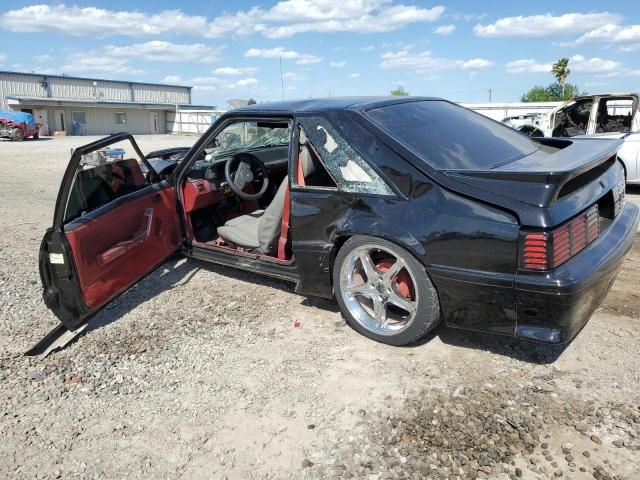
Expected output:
(407, 211)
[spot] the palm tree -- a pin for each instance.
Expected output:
(561, 71)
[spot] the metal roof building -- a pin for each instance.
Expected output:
(92, 106)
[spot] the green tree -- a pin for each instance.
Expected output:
(561, 71)
(552, 93)
(536, 94)
(399, 92)
(566, 92)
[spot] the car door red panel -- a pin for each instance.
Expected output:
(117, 248)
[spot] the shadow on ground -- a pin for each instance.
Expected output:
(178, 272)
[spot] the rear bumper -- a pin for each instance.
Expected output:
(553, 306)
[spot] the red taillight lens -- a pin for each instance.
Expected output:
(535, 251)
(543, 250)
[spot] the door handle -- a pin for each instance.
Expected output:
(124, 246)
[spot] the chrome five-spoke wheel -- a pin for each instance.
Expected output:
(384, 292)
(378, 289)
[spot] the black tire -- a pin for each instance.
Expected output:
(17, 135)
(427, 315)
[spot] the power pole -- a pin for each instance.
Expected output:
(281, 78)
(490, 92)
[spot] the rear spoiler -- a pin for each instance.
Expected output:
(538, 179)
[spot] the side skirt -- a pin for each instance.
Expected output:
(288, 273)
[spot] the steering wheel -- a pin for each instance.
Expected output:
(249, 171)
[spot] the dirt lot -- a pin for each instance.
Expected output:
(199, 372)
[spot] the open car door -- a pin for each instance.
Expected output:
(115, 221)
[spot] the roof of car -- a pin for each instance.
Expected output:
(615, 94)
(324, 104)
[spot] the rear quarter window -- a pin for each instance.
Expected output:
(448, 136)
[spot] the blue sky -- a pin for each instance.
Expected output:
(457, 50)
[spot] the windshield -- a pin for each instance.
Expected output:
(247, 136)
(448, 136)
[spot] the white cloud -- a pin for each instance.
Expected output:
(285, 19)
(112, 60)
(337, 64)
(628, 36)
(445, 30)
(234, 71)
(354, 75)
(424, 62)
(468, 17)
(580, 64)
(161, 51)
(219, 84)
(476, 64)
(293, 76)
(545, 25)
(368, 48)
(289, 17)
(172, 79)
(92, 64)
(528, 65)
(44, 58)
(281, 52)
(99, 22)
(577, 64)
(3, 56)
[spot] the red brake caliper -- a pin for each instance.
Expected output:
(403, 283)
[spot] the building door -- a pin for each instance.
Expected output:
(59, 120)
(154, 122)
(41, 117)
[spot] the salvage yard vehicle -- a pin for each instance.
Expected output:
(612, 115)
(527, 123)
(408, 211)
(17, 126)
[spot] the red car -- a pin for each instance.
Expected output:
(17, 126)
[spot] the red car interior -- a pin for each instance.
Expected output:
(197, 194)
(118, 248)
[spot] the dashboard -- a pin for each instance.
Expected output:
(206, 183)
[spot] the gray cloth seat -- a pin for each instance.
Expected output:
(260, 229)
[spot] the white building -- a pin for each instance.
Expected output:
(89, 106)
(499, 111)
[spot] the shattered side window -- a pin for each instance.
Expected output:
(350, 171)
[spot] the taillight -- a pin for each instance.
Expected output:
(545, 250)
(618, 196)
(535, 251)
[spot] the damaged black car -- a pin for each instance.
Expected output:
(407, 211)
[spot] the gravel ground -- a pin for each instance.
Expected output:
(201, 372)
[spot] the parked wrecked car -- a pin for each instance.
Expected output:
(607, 116)
(17, 126)
(407, 211)
(527, 123)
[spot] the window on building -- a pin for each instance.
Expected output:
(79, 118)
(120, 118)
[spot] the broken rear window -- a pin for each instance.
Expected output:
(448, 136)
(349, 170)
